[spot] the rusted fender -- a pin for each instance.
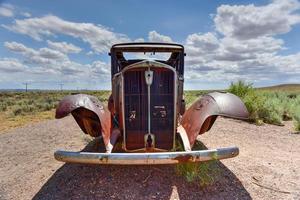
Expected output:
(90, 114)
(200, 116)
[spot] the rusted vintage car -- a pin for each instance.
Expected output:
(146, 111)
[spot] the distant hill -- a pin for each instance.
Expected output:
(283, 87)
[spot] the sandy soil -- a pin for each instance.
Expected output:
(268, 166)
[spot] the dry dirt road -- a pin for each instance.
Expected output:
(268, 166)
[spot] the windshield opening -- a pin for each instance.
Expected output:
(147, 55)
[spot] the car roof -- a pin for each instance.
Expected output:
(147, 47)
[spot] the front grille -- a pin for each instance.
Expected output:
(161, 108)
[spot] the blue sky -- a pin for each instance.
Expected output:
(67, 42)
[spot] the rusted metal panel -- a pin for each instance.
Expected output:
(90, 114)
(146, 158)
(200, 117)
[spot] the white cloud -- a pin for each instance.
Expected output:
(6, 10)
(247, 48)
(90, 53)
(26, 14)
(153, 36)
(100, 38)
(139, 40)
(64, 47)
(11, 65)
(40, 56)
(99, 68)
(205, 42)
(250, 21)
(198, 44)
(45, 66)
(17, 47)
(255, 45)
(51, 54)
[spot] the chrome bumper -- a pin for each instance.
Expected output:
(146, 158)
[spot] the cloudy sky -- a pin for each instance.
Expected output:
(47, 43)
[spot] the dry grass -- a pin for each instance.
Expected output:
(9, 122)
(283, 88)
(21, 108)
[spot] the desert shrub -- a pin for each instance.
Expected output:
(254, 101)
(30, 102)
(49, 100)
(240, 88)
(192, 95)
(44, 106)
(17, 110)
(10, 102)
(271, 111)
(204, 173)
(48, 106)
(3, 106)
(101, 95)
(255, 104)
(23, 109)
(268, 106)
(296, 118)
(261, 107)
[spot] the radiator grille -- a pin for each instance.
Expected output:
(161, 108)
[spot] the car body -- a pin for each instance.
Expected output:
(146, 111)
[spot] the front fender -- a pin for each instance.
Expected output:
(90, 114)
(202, 114)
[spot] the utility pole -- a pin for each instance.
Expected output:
(61, 86)
(26, 85)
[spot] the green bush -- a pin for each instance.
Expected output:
(271, 111)
(267, 106)
(192, 95)
(240, 88)
(17, 111)
(3, 106)
(255, 105)
(204, 173)
(296, 117)
(23, 109)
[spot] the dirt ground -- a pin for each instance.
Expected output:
(268, 166)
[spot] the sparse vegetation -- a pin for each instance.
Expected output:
(19, 108)
(204, 173)
(297, 119)
(269, 106)
(191, 96)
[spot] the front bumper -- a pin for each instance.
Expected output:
(146, 158)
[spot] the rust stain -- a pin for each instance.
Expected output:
(184, 158)
(200, 116)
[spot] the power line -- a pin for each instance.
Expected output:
(26, 86)
(61, 86)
